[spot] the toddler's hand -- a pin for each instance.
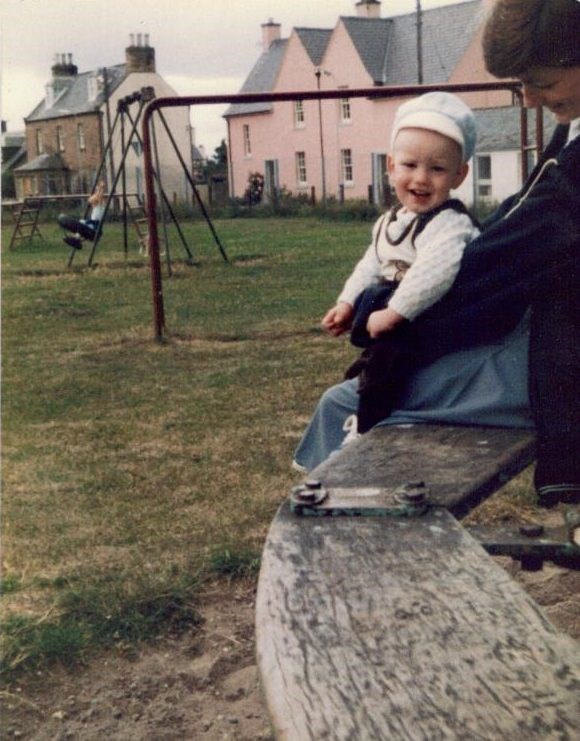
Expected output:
(383, 321)
(338, 319)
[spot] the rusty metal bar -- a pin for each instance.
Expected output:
(398, 91)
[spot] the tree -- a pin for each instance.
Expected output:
(216, 168)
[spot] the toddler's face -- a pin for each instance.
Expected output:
(423, 167)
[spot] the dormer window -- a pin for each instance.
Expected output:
(54, 90)
(49, 95)
(93, 83)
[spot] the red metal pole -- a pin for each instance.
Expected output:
(174, 102)
(154, 259)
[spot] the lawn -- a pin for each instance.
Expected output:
(133, 468)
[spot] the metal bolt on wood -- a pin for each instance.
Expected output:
(310, 492)
(532, 530)
(414, 492)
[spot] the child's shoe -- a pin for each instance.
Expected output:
(351, 428)
(73, 241)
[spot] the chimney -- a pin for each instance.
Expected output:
(368, 9)
(270, 32)
(63, 66)
(139, 56)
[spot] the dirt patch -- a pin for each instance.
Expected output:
(203, 684)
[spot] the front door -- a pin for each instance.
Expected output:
(271, 185)
(381, 186)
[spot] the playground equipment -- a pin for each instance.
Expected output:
(138, 210)
(155, 107)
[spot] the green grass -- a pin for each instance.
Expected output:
(132, 469)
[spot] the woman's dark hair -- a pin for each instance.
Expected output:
(521, 34)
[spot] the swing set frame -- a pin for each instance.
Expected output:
(157, 106)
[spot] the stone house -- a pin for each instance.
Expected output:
(339, 147)
(68, 131)
(13, 155)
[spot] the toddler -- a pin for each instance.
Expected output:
(416, 247)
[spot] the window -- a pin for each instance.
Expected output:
(299, 118)
(301, 169)
(93, 87)
(346, 165)
(49, 95)
(483, 172)
(38, 141)
(247, 142)
(345, 110)
(81, 137)
(59, 139)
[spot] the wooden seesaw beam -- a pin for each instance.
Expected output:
(402, 627)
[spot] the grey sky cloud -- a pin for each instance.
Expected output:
(201, 46)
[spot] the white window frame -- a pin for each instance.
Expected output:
(300, 159)
(39, 141)
(299, 114)
(247, 140)
(50, 96)
(483, 184)
(345, 111)
(346, 166)
(81, 137)
(93, 87)
(59, 139)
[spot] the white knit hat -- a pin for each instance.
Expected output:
(441, 112)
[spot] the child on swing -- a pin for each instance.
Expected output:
(85, 228)
(416, 247)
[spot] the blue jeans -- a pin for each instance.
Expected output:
(485, 386)
(87, 228)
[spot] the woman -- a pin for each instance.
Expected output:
(474, 342)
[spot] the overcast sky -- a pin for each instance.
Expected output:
(201, 46)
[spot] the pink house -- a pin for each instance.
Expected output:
(339, 147)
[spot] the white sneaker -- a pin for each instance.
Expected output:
(298, 467)
(351, 428)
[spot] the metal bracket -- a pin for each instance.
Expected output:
(312, 499)
(532, 544)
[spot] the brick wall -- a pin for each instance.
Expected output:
(76, 157)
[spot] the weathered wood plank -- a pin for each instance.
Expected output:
(388, 628)
(460, 465)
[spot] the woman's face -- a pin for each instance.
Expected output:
(555, 88)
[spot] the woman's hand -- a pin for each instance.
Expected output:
(383, 321)
(338, 319)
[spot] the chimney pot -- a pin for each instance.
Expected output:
(63, 66)
(270, 32)
(139, 57)
(368, 9)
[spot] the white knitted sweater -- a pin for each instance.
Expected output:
(433, 259)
